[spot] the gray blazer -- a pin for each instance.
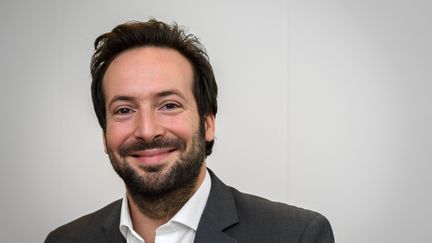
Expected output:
(229, 216)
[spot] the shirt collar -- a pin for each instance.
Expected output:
(189, 215)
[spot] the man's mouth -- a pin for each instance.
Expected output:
(153, 156)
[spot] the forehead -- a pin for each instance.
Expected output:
(145, 71)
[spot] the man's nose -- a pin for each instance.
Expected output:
(147, 126)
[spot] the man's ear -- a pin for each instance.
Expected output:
(209, 127)
(104, 142)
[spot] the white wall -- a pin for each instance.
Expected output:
(323, 104)
(360, 115)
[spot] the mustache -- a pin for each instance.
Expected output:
(140, 145)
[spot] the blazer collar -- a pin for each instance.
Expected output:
(219, 214)
(111, 224)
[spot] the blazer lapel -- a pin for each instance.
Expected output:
(111, 226)
(219, 214)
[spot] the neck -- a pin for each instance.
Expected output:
(148, 214)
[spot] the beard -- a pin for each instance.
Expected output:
(150, 183)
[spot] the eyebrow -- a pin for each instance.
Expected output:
(121, 98)
(168, 93)
(161, 94)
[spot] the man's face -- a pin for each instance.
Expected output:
(153, 134)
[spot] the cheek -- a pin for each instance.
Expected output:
(116, 134)
(182, 128)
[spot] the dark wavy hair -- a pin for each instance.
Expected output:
(157, 34)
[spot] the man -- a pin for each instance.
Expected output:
(154, 94)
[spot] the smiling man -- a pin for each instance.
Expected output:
(154, 94)
(154, 135)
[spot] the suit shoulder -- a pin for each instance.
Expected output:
(86, 225)
(280, 219)
(261, 208)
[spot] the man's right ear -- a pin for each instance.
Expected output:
(104, 142)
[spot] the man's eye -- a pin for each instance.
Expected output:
(123, 111)
(170, 106)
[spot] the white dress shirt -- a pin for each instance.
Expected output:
(181, 228)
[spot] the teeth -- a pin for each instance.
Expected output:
(139, 155)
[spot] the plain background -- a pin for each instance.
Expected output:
(323, 104)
